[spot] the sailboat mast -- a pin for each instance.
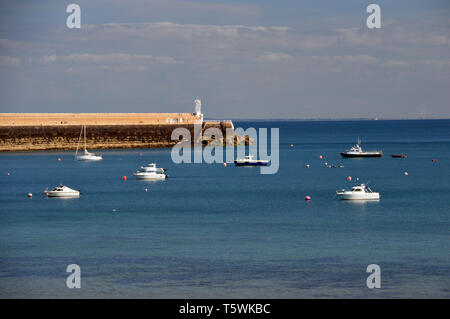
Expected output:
(79, 139)
(84, 137)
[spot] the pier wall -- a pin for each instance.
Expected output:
(50, 119)
(33, 132)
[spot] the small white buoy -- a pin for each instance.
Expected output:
(146, 189)
(8, 174)
(308, 166)
(114, 210)
(30, 195)
(405, 173)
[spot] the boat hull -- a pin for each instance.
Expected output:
(250, 164)
(365, 196)
(151, 177)
(89, 158)
(62, 194)
(349, 155)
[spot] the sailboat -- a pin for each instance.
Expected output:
(86, 156)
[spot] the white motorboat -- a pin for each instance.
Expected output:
(150, 172)
(86, 156)
(249, 161)
(356, 151)
(361, 192)
(62, 191)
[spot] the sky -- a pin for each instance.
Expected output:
(248, 59)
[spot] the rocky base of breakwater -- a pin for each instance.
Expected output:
(66, 137)
(235, 140)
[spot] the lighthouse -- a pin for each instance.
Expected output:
(198, 108)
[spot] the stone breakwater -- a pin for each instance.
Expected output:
(55, 132)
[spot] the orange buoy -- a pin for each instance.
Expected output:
(59, 159)
(349, 178)
(124, 178)
(224, 164)
(320, 156)
(308, 198)
(292, 145)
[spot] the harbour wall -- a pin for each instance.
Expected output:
(33, 132)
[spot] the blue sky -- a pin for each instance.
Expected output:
(244, 59)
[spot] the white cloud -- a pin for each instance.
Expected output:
(185, 7)
(397, 64)
(9, 61)
(109, 58)
(11, 44)
(275, 57)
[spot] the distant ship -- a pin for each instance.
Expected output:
(356, 151)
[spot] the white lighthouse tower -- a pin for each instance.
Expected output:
(198, 108)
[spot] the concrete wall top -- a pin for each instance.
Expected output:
(37, 119)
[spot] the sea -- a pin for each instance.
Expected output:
(215, 231)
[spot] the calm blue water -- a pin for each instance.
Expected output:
(211, 231)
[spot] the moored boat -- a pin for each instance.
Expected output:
(248, 160)
(361, 192)
(62, 191)
(398, 155)
(150, 172)
(356, 151)
(86, 156)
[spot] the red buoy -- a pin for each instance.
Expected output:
(140, 154)
(434, 160)
(320, 156)
(349, 178)
(124, 178)
(308, 198)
